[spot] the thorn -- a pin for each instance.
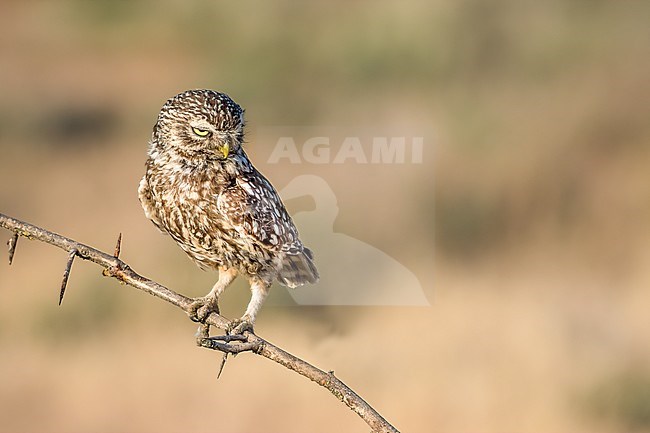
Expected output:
(116, 254)
(66, 273)
(11, 243)
(222, 365)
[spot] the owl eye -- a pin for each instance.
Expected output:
(201, 132)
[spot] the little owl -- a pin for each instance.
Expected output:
(200, 187)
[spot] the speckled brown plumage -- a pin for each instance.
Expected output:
(201, 189)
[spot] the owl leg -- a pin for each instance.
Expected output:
(200, 308)
(259, 291)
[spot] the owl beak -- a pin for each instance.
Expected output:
(225, 149)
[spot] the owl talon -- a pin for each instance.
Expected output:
(239, 326)
(200, 308)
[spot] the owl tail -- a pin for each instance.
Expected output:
(298, 269)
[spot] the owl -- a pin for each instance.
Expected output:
(200, 188)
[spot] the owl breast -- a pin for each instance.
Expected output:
(183, 201)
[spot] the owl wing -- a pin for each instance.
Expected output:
(253, 207)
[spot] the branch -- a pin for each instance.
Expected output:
(116, 268)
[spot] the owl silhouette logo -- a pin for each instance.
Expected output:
(352, 272)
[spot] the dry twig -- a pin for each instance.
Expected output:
(116, 268)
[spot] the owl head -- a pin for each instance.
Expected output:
(199, 123)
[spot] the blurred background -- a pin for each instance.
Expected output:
(527, 224)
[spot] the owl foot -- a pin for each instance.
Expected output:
(200, 308)
(239, 326)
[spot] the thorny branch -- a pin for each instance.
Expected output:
(116, 268)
